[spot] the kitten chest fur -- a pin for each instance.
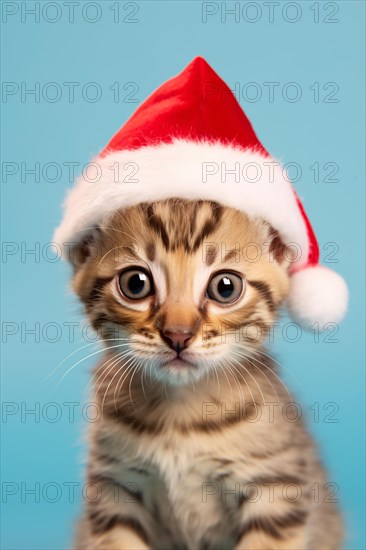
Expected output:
(197, 465)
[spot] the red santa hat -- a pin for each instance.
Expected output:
(191, 139)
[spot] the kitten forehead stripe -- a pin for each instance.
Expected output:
(150, 251)
(157, 224)
(209, 226)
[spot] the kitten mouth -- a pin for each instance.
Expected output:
(178, 362)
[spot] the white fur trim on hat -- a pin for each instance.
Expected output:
(317, 295)
(246, 180)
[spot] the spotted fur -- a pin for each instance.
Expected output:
(180, 455)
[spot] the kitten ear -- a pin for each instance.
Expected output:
(276, 248)
(87, 249)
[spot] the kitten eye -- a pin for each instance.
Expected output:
(225, 287)
(135, 284)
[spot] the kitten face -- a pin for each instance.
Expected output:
(181, 288)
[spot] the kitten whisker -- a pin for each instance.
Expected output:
(143, 374)
(123, 366)
(301, 387)
(112, 361)
(244, 380)
(236, 380)
(212, 363)
(109, 251)
(130, 364)
(132, 375)
(231, 389)
(252, 357)
(65, 359)
(76, 351)
(249, 359)
(87, 357)
(252, 377)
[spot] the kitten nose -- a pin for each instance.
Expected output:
(177, 340)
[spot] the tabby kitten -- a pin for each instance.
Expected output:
(199, 445)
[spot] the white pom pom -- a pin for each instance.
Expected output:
(317, 295)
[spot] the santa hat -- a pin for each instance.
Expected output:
(191, 139)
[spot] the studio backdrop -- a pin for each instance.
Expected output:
(72, 73)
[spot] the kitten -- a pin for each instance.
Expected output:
(199, 444)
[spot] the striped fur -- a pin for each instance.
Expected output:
(181, 454)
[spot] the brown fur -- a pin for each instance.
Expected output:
(166, 433)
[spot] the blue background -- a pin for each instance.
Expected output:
(164, 38)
